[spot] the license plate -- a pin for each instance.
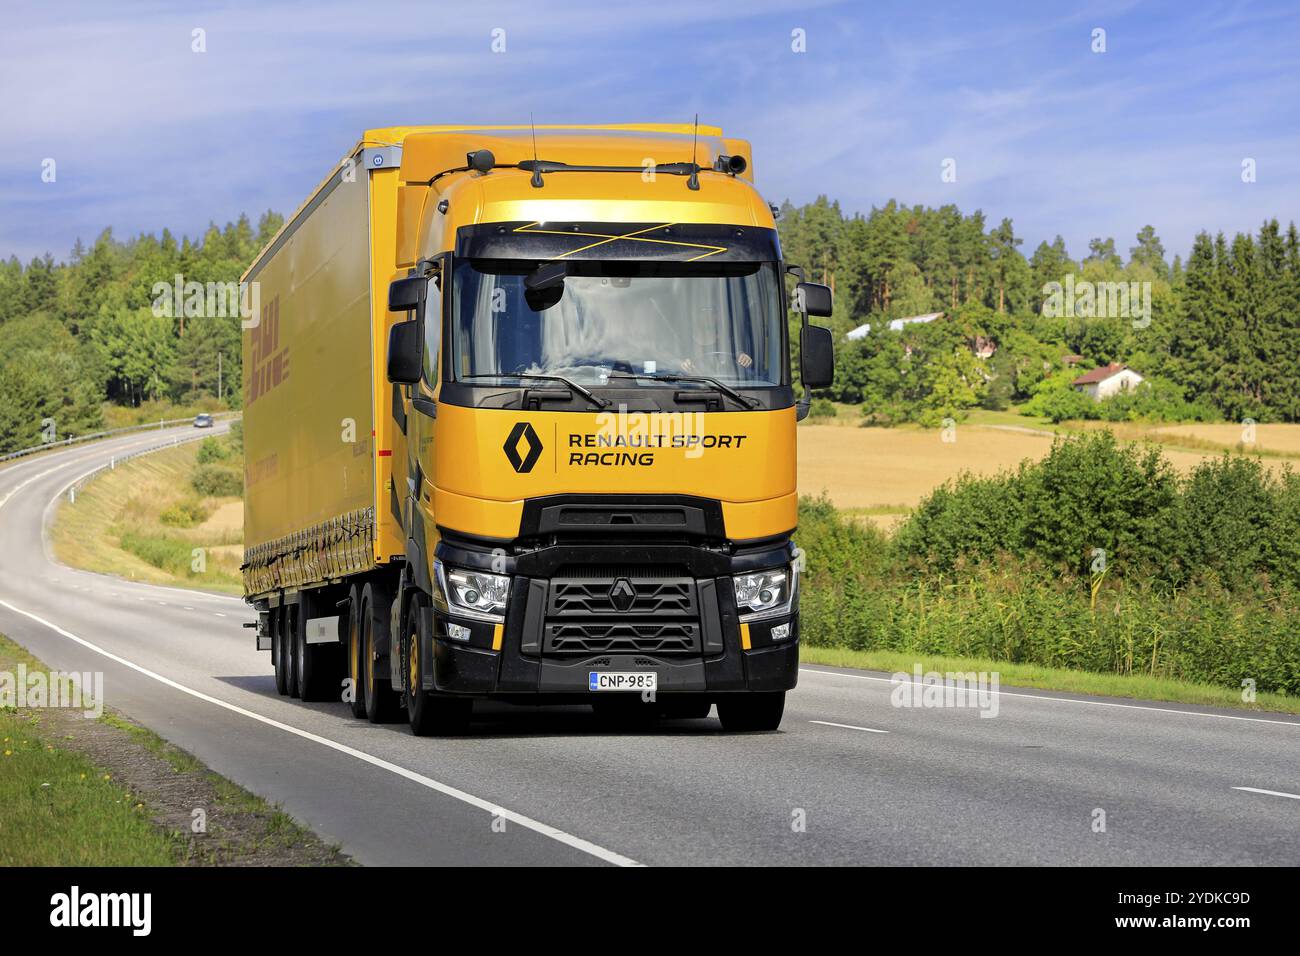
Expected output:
(624, 680)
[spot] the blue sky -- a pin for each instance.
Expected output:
(147, 133)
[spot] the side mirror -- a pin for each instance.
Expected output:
(816, 356)
(406, 294)
(404, 359)
(815, 299)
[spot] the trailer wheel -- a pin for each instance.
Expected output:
(290, 637)
(751, 712)
(315, 663)
(279, 659)
(356, 652)
(429, 713)
(382, 702)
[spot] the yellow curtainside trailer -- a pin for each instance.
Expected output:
(520, 424)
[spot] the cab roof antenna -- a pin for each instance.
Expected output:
(536, 181)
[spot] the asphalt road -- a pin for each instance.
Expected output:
(849, 779)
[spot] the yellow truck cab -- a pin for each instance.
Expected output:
(569, 349)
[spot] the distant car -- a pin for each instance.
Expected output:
(203, 421)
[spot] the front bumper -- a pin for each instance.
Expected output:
(527, 654)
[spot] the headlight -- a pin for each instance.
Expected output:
(766, 593)
(471, 593)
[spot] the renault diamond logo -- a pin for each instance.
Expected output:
(523, 432)
(622, 594)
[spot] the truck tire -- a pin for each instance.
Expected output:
(289, 634)
(429, 713)
(745, 713)
(356, 652)
(279, 659)
(315, 663)
(382, 702)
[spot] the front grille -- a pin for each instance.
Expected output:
(621, 609)
(622, 597)
(598, 637)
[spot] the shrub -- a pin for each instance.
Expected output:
(212, 450)
(217, 481)
(821, 408)
(169, 554)
(184, 514)
(1088, 493)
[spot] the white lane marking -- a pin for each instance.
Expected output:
(219, 614)
(188, 608)
(560, 836)
(1071, 700)
(1271, 793)
(827, 723)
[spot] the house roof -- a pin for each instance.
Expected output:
(897, 324)
(1100, 374)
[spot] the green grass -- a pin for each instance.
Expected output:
(1134, 686)
(1008, 416)
(59, 808)
(56, 807)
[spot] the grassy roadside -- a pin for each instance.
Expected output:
(81, 791)
(145, 521)
(1132, 686)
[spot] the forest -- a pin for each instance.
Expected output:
(81, 336)
(1216, 337)
(1221, 338)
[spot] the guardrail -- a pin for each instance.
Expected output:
(64, 443)
(115, 460)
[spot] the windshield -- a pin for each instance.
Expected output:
(723, 321)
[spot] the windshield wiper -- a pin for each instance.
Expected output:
(741, 400)
(585, 393)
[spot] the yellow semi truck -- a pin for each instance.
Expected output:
(519, 424)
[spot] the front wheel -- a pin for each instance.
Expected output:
(745, 713)
(429, 713)
(382, 701)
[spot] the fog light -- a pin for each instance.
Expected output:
(458, 632)
(780, 632)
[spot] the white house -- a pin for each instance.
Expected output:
(1106, 381)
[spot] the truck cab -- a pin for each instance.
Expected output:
(600, 424)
